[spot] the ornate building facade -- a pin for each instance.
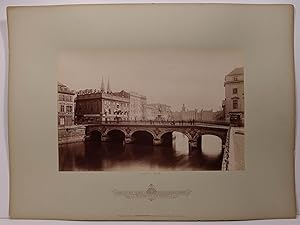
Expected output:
(65, 105)
(93, 105)
(96, 105)
(234, 93)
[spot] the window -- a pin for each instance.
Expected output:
(235, 79)
(62, 108)
(69, 108)
(61, 121)
(235, 104)
(234, 91)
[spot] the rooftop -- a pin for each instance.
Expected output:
(62, 88)
(237, 71)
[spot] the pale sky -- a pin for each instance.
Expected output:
(169, 76)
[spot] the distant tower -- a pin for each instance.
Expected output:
(183, 108)
(108, 87)
(102, 86)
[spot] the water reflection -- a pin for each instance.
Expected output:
(100, 156)
(180, 142)
(211, 145)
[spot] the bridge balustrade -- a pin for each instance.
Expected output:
(156, 122)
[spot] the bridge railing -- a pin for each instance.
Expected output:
(155, 122)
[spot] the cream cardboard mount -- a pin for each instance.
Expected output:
(264, 189)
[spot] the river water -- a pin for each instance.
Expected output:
(108, 156)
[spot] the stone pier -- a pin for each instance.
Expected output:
(192, 146)
(157, 141)
(104, 138)
(128, 139)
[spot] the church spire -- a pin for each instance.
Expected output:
(108, 87)
(102, 85)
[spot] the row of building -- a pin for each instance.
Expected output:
(198, 115)
(94, 105)
(233, 104)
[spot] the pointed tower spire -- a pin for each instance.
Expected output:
(108, 87)
(102, 85)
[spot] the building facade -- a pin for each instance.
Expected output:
(65, 105)
(137, 110)
(150, 112)
(158, 111)
(97, 105)
(234, 93)
(187, 115)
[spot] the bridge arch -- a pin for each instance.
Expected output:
(189, 136)
(90, 130)
(167, 136)
(142, 137)
(108, 130)
(116, 135)
(95, 135)
(142, 130)
(212, 134)
(221, 135)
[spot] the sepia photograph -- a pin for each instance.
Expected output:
(151, 110)
(168, 117)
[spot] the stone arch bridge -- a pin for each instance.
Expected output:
(194, 132)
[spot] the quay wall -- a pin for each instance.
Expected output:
(234, 151)
(71, 134)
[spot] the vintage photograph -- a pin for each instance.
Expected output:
(151, 110)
